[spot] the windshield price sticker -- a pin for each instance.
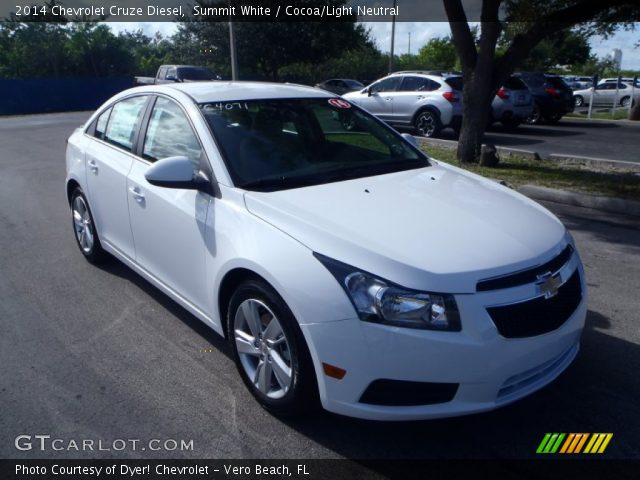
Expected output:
(339, 103)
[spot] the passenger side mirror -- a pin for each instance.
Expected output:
(369, 91)
(175, 172)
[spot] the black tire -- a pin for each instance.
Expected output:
(427, 123)
(92, 251)
(302, 394)
(553, 119)
(624, 101)
(579, 101)
(536, 116)
(511, 124)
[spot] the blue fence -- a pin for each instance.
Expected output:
(46, 95)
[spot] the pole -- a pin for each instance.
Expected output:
(615, 99)
(593, 88)
(633, 93)
(393, 37)
(409, 50)
(234, 59)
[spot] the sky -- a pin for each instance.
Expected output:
(421, 32)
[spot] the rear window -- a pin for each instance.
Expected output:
(557, 82)
(515, 84)
(454, 82)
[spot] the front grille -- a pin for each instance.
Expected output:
(526, 276)
(400, 393)
(540, 315)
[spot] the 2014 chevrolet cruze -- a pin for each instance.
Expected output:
(341, 263)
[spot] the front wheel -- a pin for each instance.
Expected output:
(84, 228)
(579, 101)
(427, 123)
(269, 350)
(625, 102)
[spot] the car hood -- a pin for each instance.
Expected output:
(437, 228)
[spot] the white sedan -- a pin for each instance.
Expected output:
(343, 265)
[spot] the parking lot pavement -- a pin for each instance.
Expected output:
(98, 353)
(586, 138)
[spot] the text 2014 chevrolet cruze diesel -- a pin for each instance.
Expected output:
(341, 263)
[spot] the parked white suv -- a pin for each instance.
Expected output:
(425, 102)
(341, 263)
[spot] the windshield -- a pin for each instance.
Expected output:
(354, 84)
(288, 143)
(191, 73)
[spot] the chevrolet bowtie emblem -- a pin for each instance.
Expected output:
(549, 285)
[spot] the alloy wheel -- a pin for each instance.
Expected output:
(426, 124)
(82, 224)
(263, 348)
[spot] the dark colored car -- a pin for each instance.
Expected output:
(552, 97)
(340, 86)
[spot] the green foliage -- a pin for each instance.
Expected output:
(438, 54)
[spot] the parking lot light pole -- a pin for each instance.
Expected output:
(234, 59)
(393, 36)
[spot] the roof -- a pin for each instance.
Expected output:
(222, 91)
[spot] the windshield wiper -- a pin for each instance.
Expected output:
(277, 183)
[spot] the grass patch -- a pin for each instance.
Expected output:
(517, 171)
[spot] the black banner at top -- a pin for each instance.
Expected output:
(304, 10)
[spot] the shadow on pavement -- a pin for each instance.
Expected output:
(597, 393)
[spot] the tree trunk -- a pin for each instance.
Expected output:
(634, 114)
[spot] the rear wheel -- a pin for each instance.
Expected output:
(511, 124)
(270, 351)
(553, 118)
(427, 123)
(84, 228)
(536, 116)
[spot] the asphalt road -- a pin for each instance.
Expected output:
(594, 139)
(98, 353)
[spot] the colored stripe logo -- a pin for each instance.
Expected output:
(574, 443)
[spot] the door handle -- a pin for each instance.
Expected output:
(93, 166)
(137, 194)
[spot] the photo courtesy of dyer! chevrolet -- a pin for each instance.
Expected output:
(343, 265)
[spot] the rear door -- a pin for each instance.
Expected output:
(109, 158)
(411, 93)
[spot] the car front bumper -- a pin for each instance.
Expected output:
(489, 370)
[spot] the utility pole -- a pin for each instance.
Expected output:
(393, 36)
(234, 59)
(409, 49)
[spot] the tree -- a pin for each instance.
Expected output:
(485, 69)
(438, 54)
(264, 48)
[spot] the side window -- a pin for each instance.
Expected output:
(169, 134)
(101, 124)
(124, 122)
(418, 84)
(162, 72)
(388, 84)
(172, 72)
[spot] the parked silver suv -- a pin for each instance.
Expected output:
(413, 99)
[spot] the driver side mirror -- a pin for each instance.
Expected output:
(176, 172)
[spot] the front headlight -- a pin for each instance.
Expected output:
(380, 301)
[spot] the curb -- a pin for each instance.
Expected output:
(531, 155)
(597, 202)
